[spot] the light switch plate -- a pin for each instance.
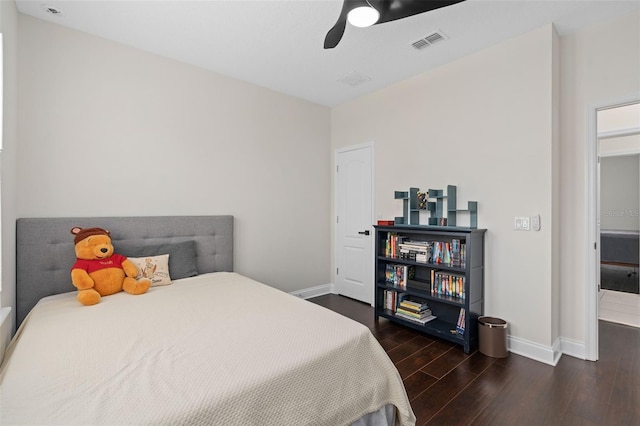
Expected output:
(535, 222)
(521, 223)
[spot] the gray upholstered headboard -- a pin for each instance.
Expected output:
(45, 251)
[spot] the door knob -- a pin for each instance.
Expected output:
(364, 232)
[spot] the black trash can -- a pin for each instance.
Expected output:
(492, 336)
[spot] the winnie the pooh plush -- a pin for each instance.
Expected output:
(99, 271)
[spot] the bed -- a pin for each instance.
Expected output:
(213, 347)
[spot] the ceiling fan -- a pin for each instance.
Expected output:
(364, 13)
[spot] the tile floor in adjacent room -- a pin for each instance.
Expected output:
(620, 307)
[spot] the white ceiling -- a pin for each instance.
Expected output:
(278, 44)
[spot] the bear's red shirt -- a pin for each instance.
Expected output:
(114, 261)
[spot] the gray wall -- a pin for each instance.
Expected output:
(620, 193)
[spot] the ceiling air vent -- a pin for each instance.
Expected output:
(354, 78)
(51, 10)
(428, 40)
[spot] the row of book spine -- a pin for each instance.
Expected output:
(391, 244)
(448, 253)
(398, 275)
(446, 284)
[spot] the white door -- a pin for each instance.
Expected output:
(353, 222)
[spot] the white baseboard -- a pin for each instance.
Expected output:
(573, 348)
(316, 291)
(546, 354)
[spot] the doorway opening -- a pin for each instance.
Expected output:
(618, 134)
(593, 213)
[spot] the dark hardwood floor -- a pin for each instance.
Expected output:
(448, 387)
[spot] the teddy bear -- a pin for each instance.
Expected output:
(99, 271)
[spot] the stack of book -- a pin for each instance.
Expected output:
(418, 251)
(414, 310)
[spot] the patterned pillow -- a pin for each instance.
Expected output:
(154, 268)
(182, 255)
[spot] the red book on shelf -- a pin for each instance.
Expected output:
(386, 222)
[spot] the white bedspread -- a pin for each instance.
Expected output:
(217, 349)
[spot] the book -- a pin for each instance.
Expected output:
(413, 305)
(461, 321)
(390, 300)
(418, 315)
(455, 252)
(419, 321)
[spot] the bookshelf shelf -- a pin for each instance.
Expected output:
(449, 282)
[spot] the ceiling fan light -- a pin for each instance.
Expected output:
(363, 16)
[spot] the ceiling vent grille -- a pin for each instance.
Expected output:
(433, 38)
(52, 10)
(354, 78)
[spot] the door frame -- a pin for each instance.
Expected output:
(592, 249)
(337, 151)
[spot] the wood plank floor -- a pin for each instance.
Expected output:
(448, 387)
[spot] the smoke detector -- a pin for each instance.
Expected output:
(354, 78)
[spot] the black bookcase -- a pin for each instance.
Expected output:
(455, 283)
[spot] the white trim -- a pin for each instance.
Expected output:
(620, 153)
(308, 293)
(572, 348)
(632, 131)
(592, 257)
(591, 293)
(535, 351)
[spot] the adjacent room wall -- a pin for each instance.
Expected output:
(108, 130)
(484, 123)
(619, 193)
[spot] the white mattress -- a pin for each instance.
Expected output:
(216, 349)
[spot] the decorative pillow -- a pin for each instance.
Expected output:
(154, 268)
(182, 255)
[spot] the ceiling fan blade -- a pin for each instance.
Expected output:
(390, 10)
(336, 32)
